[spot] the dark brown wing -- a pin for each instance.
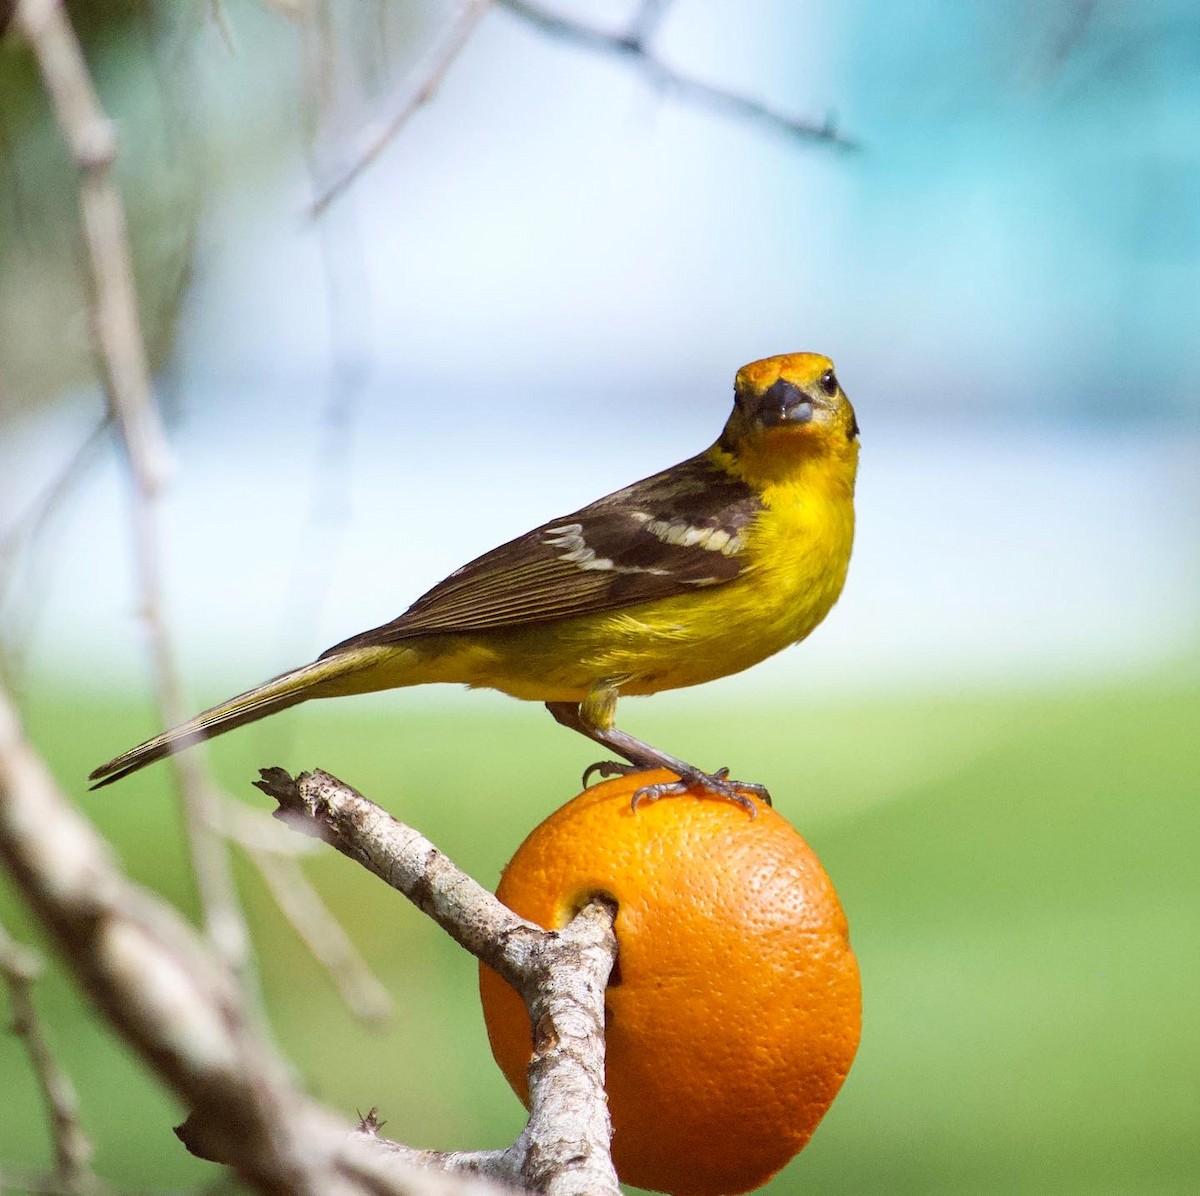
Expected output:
(660, 537)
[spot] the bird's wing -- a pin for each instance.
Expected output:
(666, 535)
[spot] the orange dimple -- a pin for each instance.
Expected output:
(737, 1014)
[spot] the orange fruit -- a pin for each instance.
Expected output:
(735, 1009)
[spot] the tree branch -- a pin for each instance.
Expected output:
(418, 87)
(121, 358)
(175, 1002)
(178, 1006)
(564, 1150)
(92, 142)
(634, 45)
(318, 804)
(645, 22)
(20, 967)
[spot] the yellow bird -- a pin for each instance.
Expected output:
(692, 574)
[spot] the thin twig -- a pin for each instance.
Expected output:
(121, 355)
(324, 936)
(318, 804)
(29, 526)
(633, 45)
(220, 18)
(418, 87)
(19, 968)
(19, 540)
(646, 21)
(256, 830)
(273, 851)
(349, 318)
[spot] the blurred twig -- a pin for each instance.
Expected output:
(274, 852)
(29, 525)
(27, 530)
(324, 936)
(122, 359)
(417, 88)
(1076, 20)
(29, 1183)
(220, 18)
(253, 829)
(348, 315)
(423, 81)
(634, 45)
(19, 969)
(172, 1000)
(92, 141)
(121, 355)
(645, 22)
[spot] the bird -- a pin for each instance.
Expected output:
(696, 572)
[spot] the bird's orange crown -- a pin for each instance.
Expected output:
(788, 408)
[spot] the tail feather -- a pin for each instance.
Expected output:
(288, 689)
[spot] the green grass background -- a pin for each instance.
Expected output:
(1019, 869)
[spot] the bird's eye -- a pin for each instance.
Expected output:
(829, 384)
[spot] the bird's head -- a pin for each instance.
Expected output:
(787, 408)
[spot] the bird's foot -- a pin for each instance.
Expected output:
(717, 783)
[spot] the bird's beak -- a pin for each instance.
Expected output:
(783, 403)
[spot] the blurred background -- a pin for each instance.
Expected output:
(540, 289)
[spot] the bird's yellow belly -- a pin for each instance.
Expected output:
(686, 640)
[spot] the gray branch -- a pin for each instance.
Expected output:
(175, 1002)
(178, 1005)
(564, 1149)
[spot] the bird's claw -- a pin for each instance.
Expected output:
(609, 768)
(717, 783)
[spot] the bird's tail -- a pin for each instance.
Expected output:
(309, 681)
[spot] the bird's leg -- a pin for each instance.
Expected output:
(595, 718)
(568, 715)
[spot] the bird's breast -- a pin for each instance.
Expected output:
(794, 566)
(794, 563)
